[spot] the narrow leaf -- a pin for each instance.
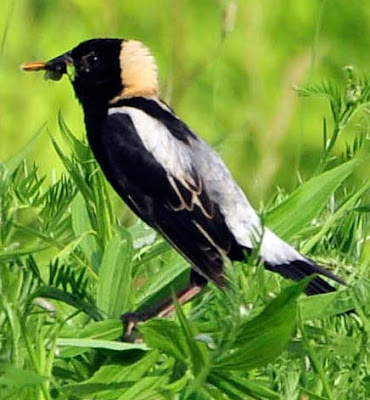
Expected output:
(79, 148)
(101, 330)
(238, 387)
(198, 352)
(81, 225)
(114, 287)
(307, 201)
(101, 344)
(68, 298)
(325, 305)
(143, 388)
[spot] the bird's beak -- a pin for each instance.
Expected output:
(54, 69)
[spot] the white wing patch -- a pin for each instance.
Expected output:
(158, 140)
(277, 252)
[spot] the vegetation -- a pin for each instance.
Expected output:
(72, 260)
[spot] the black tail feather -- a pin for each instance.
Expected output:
(299, 269)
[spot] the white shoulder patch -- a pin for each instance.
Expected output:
(158, 140)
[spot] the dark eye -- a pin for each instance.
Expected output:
(88, 62)
(93, 60)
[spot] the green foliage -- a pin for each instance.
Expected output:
(307, 201)
(343, 106)
(69, 268)
(70, 263)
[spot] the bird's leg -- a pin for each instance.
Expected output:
(165, 308)
(160, 310)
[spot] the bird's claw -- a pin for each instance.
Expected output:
(130, 321)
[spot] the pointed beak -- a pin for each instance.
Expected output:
(54, 69)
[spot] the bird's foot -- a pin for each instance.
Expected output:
(130, 321)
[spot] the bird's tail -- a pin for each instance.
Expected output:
(278, 256)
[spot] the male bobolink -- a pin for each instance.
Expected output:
(167, 175)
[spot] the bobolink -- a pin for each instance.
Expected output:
(167, 175)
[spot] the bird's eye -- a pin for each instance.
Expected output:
(93, 60)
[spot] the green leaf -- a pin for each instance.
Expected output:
(79, 148)
(311, 395)
(348, 205)
(101, 344)
(114, 287)
(307, 201)
(103, 390)
(362, 209)
(102, 202)
(260, 340)
(132, 372)
(325, 305)
(366, 383)
(81, 225)
(177, 385)
(71, 247)
(114, 377)
(10, 375)
(110, 329)
(237, 387)
(11, 255)
(198, 352)
(165, 336)
(68, 298)
(73, 171)
(150, 252)
(143, 388)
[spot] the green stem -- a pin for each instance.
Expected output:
(33, 358)
(9, 311)
(315, 361)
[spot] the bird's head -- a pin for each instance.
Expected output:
(104, 70)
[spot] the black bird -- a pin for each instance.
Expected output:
(167, 175)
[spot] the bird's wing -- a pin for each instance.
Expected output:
(175, 182)
(156, 173)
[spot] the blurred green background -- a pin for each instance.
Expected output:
(227, 67)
